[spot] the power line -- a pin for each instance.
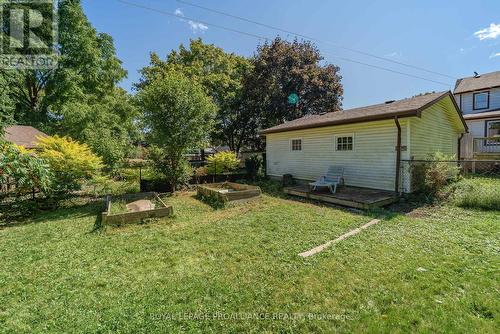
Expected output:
(314, 39)
(132, 4)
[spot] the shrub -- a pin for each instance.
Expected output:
(433, 176)
(253, 166)
(72, 162)
(199, 173)
(175, 170)
(222, 162)
(24, 169)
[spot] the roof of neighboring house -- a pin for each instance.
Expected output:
(484, 81)
(388, 110)
(23, 135)
(482, 115)
(216, 149)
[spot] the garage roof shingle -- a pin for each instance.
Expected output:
(402, 108)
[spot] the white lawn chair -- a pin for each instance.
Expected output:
(334, 176)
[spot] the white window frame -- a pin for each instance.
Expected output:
(335, 143)
(487, 129)
(487, 100)
(301, 145)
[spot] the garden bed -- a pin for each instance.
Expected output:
(133, 208)
(229, 192)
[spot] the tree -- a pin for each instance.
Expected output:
(221, 75)
(106, 124)
(179, 117)
(6, 103)
(79, 98)
(282, 68)
(27, 87)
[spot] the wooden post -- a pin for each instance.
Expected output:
(215, 171)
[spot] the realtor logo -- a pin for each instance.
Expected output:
(28, 34)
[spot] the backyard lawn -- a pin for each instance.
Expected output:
(237, 270)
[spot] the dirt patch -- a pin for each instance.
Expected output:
(140, 205)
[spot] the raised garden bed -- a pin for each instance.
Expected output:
(133, 208)
(229, 192)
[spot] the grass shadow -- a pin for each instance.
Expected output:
(211, 201)
(31, 212)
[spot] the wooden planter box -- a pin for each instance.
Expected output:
(229, 192)
(160, 210)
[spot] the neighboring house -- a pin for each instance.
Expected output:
(22, 135)
(365, 140)
(479, 99)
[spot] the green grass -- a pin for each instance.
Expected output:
(435, 270)
(477, 192)
(118, 206)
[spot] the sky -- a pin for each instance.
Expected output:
(452, 38)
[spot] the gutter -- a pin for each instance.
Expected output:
(398, 155)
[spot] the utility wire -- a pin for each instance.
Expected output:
(164, 12)
(132, 4)
(314, 39)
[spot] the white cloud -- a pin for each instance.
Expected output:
(394, 55)
(195, 26)
(493, 55)
(492, 32)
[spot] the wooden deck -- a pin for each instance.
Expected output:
(361, 198)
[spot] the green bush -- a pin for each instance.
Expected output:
(222, 162)
(71, 162)
(24, 169)
(175, 170)
(253, 166)
(431, 177)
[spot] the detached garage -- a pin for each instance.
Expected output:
(368, 142)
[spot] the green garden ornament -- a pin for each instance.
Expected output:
(293, 99)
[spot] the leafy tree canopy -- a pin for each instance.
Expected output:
(6, 103)
(79, 98)
(220, 74)
(282, 68)
(179, 116)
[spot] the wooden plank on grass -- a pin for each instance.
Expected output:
(342, 237)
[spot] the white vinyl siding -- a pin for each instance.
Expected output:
(371, 163)
(437, 130)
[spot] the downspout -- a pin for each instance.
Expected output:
(398, 154)
(459, 153)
